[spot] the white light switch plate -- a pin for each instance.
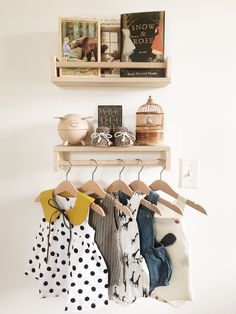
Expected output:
(188, 174)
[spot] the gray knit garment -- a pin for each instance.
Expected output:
(107, 238)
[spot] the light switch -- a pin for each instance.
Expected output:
(188, 174)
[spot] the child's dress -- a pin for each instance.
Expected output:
(135, 283)
(88, 274)
(49, 261)
(66, 260)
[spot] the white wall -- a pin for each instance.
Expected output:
(200, 112)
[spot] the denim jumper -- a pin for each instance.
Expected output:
(154, 253)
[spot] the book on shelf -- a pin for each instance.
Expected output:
(135, 72)
(79, 42)
(110, 45)
(142, 40)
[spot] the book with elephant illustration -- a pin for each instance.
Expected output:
(79, 42)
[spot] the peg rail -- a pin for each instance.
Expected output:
(63, 154)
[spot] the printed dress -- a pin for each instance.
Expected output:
(135, 283)
(67, 261)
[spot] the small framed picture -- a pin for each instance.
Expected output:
(110, 45)
(79, 40)
(110, 116)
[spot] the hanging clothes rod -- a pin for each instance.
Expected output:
(127, 162)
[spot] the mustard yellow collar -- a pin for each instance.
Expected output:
(76, 215)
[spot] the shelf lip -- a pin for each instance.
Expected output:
(112, 81)
(108, 81)
(129, 65)
(156, 148)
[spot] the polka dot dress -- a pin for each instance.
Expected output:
(88, 274)
(81, 275)
(52, 275)
(38, 253)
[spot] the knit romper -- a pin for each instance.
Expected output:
(179, 289)
(107, 238)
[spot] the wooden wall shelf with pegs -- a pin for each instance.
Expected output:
(160, 155)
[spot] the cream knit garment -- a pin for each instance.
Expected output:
(179, 289)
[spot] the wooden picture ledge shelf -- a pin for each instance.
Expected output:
(56, 64)
(63, 154)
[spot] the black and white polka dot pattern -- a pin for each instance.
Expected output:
(82, 276)
(88, 272)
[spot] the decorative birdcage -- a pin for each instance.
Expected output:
(149, 124)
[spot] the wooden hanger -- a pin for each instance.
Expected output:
(160, 185)
(64, 186)
(68, 187)
(140, 186)
(96, 188)
(120, 185)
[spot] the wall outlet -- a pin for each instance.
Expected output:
(188, 174)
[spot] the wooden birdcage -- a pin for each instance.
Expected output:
(149, 124)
